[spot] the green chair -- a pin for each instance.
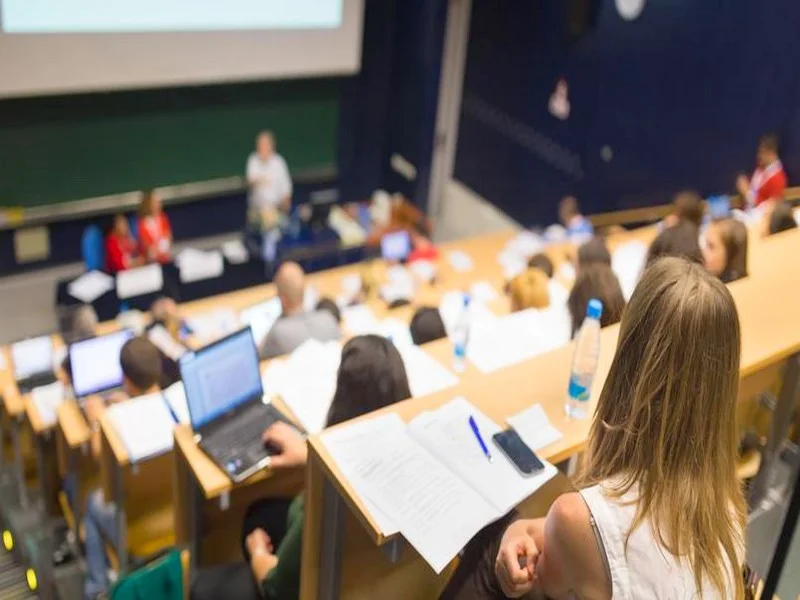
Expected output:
(159, 579)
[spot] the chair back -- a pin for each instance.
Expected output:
(92, 248)
(160, 579)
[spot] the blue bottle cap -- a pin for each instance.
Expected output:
(466, 300)
(594, 309)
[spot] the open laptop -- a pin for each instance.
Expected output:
(226, 408)
(94, 364)
(33, 363)
(396, 246)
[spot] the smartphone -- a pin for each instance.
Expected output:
(523, 458)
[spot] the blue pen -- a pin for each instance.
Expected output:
(474, 426)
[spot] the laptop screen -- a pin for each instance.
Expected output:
(95, 363)
(396, 246)
(32, 356)
(220, 377)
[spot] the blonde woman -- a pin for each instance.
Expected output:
(660, 513)
(529, 290)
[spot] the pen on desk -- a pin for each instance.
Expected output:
(474, 426)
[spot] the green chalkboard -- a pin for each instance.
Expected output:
(55, 149)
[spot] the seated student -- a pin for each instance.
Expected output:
(371, 376)
(679, 240)
(687, 206)
(769, 179)
(782, 218)
(296, 325)
(427, 326)
(141, 371)
(596, 281)
(593, 252)
(659, 513)
(529, 289)
(725, 249)
(569, 213)
(422, 247)
(155, 232)
(122, 251)
(542, 262)
(331, 307)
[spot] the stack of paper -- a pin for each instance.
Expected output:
(210, 326)
(162, 340)
(144, 425)
(90, 286)
(534, 427)
(175, 395)
(235, 252)
(460, 261)
(196, 265)
(47, 399)
(430, 479)
(139, 281)
(261, 318)
(627, 262)
(425, 374)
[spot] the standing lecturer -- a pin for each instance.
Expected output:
(269, 182)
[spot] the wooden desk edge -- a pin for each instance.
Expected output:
(73, 425)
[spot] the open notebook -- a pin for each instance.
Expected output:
(429, 479)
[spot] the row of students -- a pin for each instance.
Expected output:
(154, 234)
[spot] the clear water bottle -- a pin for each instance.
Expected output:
(584, 362)
(460, 338)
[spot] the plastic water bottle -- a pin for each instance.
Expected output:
(460, 337)
(584, 362)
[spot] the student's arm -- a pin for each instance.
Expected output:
(94, 407)
(282, 580)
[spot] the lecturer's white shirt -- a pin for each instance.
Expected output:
(269, 181)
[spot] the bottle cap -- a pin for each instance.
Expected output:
(594, 310)
(466, 300)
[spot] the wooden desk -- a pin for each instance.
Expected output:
(770, 326)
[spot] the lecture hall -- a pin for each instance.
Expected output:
(399, 300)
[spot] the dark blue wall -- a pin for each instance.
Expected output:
(680, 96)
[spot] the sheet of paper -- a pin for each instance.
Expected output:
(396, 331)
(446, 434)
(460, 261)
(166, 343)
(526, 244)
(47, 398)
(139, 281)
(566, 271)
(235, 252)
(558, 293)
(197, 265)
(482, 291)
(436, 512)
(360, 320)
(425, 374)
(90, 286)
(534, 427)
(424, 270)
(144, 425)
(452, 305)
(397, 290)
(628, 262)
(513, 264)
(351, 284)
(261, 318)
(175, 395)
(507, 340)
(210, 326)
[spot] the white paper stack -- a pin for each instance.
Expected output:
(47, 399)
(144, 425)
(235, 252)
(534, 427)
(425, 374)
(90, 286)
(139, 281)
(196, 265)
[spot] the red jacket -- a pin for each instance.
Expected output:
(120, 252)
(768, 183)
(155, 238)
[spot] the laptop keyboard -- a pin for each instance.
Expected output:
(26, 385)
(242, 433)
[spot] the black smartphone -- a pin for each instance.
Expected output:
(523, 458)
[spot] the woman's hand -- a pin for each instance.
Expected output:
(288, 443)
(515, 567)
(258, 543)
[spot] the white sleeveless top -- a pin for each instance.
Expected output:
(645, 570)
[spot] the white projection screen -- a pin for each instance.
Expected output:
(69, 46)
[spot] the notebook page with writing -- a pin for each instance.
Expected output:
(144, 425)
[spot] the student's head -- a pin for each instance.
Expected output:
(150, 205)
(542, 262)
(767, 152)
(782, 218)
(165, 312)
(725, 249)
(371, 375)
(265, 144)
(426, 325)
(688, 206)
(83, 323)
(666, 418)
(529, 289)
(594, 252)
(141, 366)
(596, 281)
(679, 240)
(119, 226)
(291, 283)
(331, 307)
(568, 209)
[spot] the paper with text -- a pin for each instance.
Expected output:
(139, 281)
(144, 425)
(425, 374)
(90, 286)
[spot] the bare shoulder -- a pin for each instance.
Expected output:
(569, 516)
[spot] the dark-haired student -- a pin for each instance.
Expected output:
(331, 307)
(426, 326)
(782, 218)
(542, 262)
(371, 376)
(679, 240)
(687, 206)
(725, 249)
(596, 281)
(141, 367)
(593, 252)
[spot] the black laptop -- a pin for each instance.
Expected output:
(226, 407)
(33, 363)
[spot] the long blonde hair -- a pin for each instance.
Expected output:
(666, 419)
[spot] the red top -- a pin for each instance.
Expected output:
(423, 252)
(119, 252)
(768, 183)
(155, 238)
